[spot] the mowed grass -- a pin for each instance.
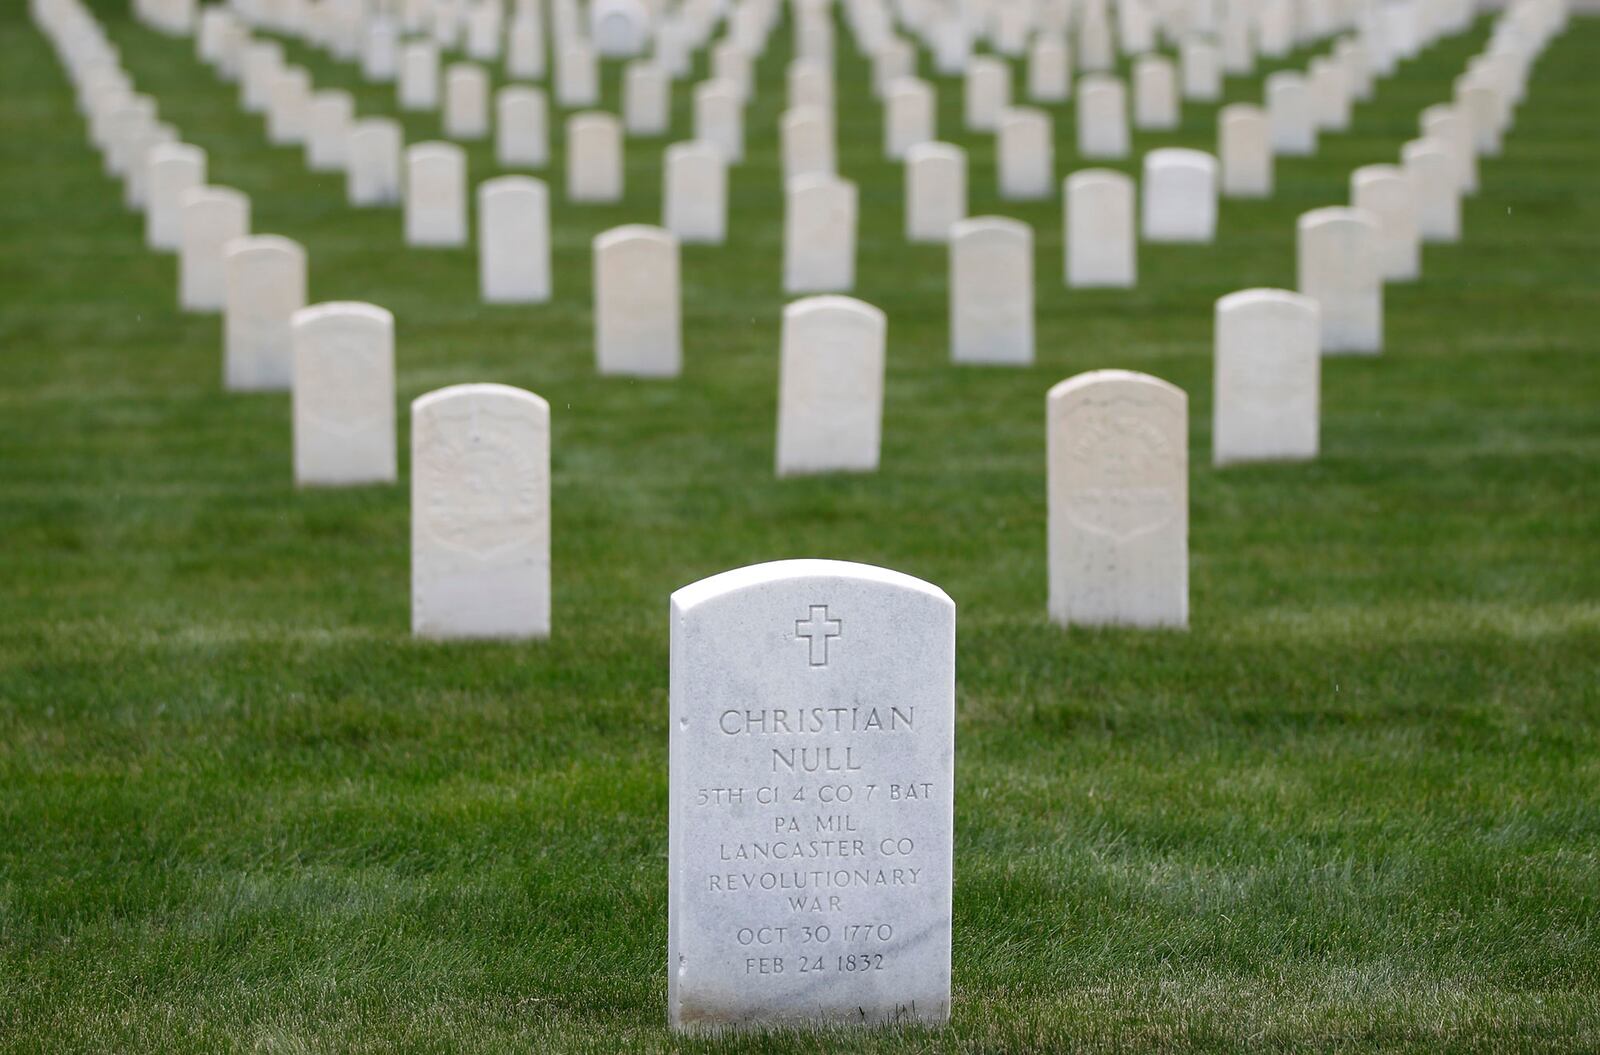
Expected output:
(1355, 807)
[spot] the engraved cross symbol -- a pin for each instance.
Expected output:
(817, 630)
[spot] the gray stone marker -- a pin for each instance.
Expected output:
(811, 805)
(343, 400)
(1118, 501)
(1267, 377)
(480, 513)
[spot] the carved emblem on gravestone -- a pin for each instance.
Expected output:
(342, 396)
(818, 629)
(1122, 465)
(482, 480)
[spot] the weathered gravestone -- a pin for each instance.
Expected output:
(1338, 264)
(637, 304)
(991, 291)
(436, 195)
(694, 198)
(830, 386)
(1244, 138)
(372, 175)
(811, 804)
(1180, 195)
(594, 158)
(1266, 377)
(1102, 117)
(1118, 501)
(522, 128)
(1025, 155)
(480, 513)
(210, 218)
(819, 235)
(936, 190)
(265, 280)
(1101, 248)
(514, 240)
(343, 400)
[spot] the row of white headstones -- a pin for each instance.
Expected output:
(812, 702)
(1118, 451)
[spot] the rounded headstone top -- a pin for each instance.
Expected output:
(482, 390)
(756, 576)
(1175, 157)
(1264, 299)
(343, 310)
(1090, 379)
(836, 304)
(633, 233)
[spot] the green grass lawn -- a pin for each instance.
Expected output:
(1356, 807)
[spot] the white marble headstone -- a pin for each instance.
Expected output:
(1100, 245)
(1431, 169)
(646, 99)
(988, 92)
(812, 795)
(1102, 117)
(830, 386)
(1388, 194)
(436, 195)
(637, 304)
(418, 85)
(514, 240)
(719, 118)
(935, 191)
(466, 101)
(909, 116)
(522, 128)
(480, 513)
(1337, 254)
(372, 174)
(1049, 70)
(806, 142)
(210, 218)
(1294, 130)
(1118, 501)
(991, 291)
(1244, 138)
(1025, 155)
(819, 235)
(328, 131)
(594, 157)
(1265, 405)
(1155, 93)
(1180, 195)
(265, 284)
(343, 400)
(694, 197)
(170, 170)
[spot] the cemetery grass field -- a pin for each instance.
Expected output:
(1356, 807)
